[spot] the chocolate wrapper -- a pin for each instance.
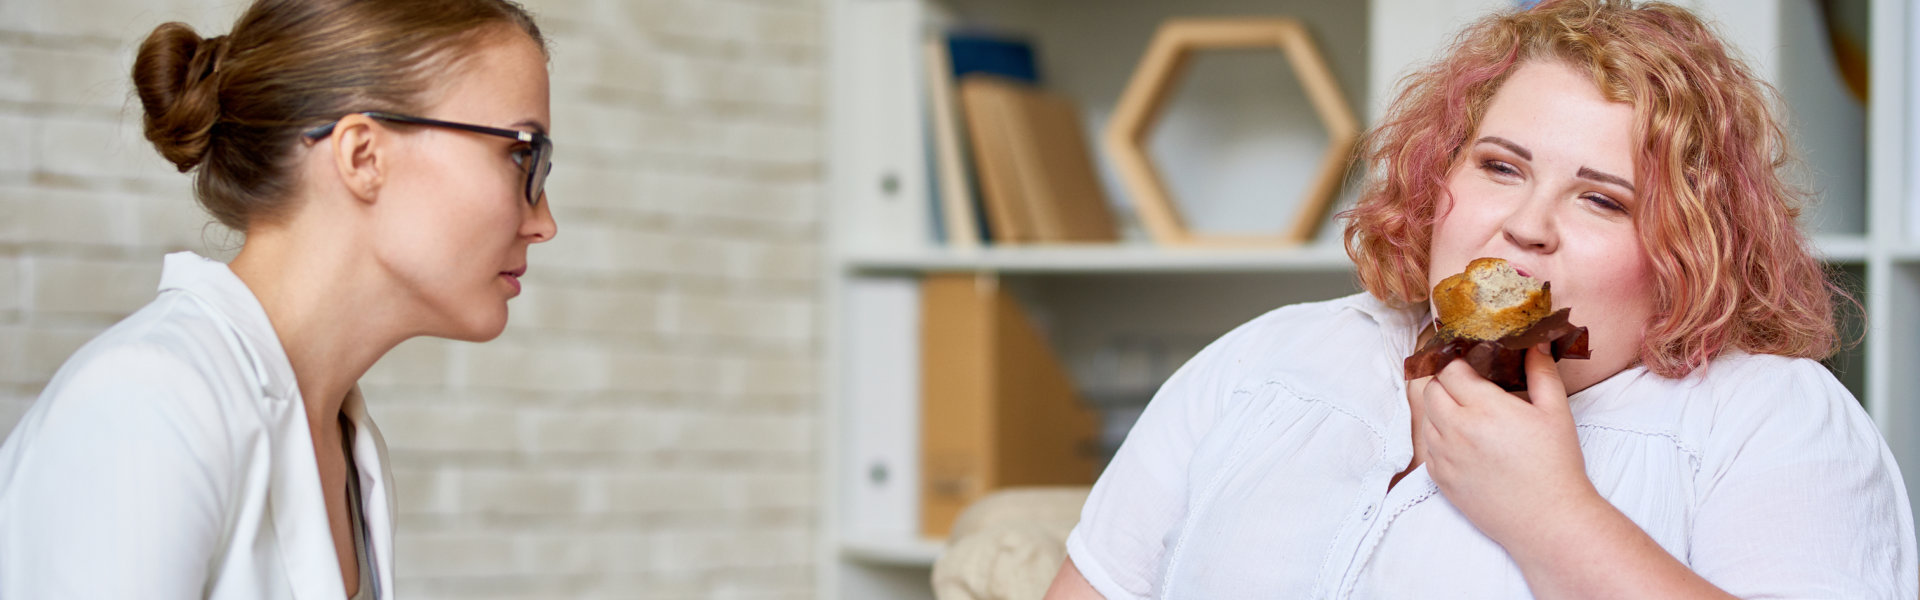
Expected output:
(1502, 361)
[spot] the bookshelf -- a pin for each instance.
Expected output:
(1147, 259)
(1122, 316)
(1131, 258)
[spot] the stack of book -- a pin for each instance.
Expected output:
(1011, 161)
(948, 137)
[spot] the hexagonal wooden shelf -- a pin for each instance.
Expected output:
(1154, 82)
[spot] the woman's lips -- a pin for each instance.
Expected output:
(513, 278)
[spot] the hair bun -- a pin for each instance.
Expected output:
(174, 73)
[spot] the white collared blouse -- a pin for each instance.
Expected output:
(1261, 469)
(170, 459)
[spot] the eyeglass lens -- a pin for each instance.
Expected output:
(537, 172)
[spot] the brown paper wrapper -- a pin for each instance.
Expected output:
(1502, 361)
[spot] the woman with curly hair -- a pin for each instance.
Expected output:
(1622, 154)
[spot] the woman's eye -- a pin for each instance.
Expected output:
(521, 155)
(1499, 168)
(1606, 203)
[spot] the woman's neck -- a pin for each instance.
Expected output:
(332, 313)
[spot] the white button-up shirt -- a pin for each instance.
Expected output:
(170, 459)
(1261, 469)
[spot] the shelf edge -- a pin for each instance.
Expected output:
(903, 552)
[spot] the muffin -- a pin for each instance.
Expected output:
(1490, 315)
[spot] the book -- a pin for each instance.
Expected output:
(1055, 168)
(951, 53)
(997, 53)
(997, 407)
(1036, 174)
(957, 206)
(989, 105)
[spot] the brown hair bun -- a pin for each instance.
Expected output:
(175, 74)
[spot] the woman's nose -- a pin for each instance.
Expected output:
(1531, 224)
(540, 226)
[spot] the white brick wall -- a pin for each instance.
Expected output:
(645, 427)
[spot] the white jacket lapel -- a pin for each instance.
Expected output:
(299, 507)
(376, 489)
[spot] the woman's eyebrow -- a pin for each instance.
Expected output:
(1605, 178)
(1584, 172)
(532, 124)
(1509, 145)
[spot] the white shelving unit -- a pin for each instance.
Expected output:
(1123, 316)
(1100, 259)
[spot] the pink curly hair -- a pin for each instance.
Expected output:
(1732, 269)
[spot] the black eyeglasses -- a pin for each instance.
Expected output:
(537, 160)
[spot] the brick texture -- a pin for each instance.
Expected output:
(645, 428)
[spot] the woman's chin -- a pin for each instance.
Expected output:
(478, 328)
(482, 336)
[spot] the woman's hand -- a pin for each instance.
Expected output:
(1507, 464)
(1514, 469)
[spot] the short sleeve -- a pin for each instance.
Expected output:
(1798, 494)
(112, 485)
(1119, 544)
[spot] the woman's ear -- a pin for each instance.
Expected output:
(359, 155)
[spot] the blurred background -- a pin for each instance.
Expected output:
(787, 332)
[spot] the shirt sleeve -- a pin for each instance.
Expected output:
(114, 484)
(1799, 496)
(1119, 544)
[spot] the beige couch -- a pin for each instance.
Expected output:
(1008, 545)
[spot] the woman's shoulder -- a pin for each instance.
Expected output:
(1348, 314)
(1739, 382)
(1767, 388)
(144, 407)
(1733, 382)
(172, 331)
(172, 356)
(1311, 344)
(1743, 401)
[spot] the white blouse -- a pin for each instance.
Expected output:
(170, 459)
(1261, 469)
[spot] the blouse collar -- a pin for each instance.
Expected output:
(212, 283)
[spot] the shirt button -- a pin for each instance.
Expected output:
(1366, 512)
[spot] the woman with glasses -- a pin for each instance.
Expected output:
(386, 162)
